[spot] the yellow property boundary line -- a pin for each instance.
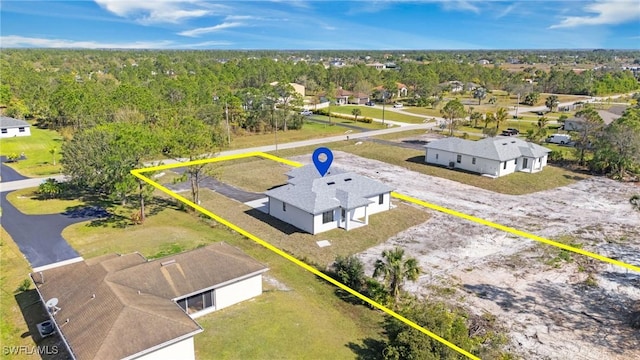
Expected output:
(138, 173)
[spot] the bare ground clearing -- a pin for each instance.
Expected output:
(578, 309)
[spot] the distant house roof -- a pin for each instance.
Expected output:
(500, 148)
(8, 123)
(309, 191)
(120, 306)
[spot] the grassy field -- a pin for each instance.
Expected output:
(514, 184)
(15, 270)
(28, 202)
(372, 125)
(377, 113)
(307, 321)
(36, 148)
(303, 245)
(253, 174)
(310, 130)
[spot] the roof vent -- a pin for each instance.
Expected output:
(504, 143)
(168, 262)
(513, 141)
(347, 179)
(331, 183)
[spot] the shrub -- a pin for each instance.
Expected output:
(24, 286)
(50, 188)
(557, 155)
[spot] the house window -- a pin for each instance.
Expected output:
(284, 206)
(380, 199)
(436, 156)
(196, 303)
(327, 216)
(504, 165)
(459, 159)
(343, 213)
(4, 131)
(525, 163)
(516, 161)
(21, 129)
(473, 161)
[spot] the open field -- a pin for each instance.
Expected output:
(15, 270)
(377, 113)
(310, 130)
(569, 307)
(36, 148)
(253, 174)
(374, 125)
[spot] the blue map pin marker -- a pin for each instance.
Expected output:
(322, 166)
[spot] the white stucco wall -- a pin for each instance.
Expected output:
(375, 208)
(482, 165)
(183, 350)
(319, 227)
(12, 132)
(237, 292)
(293, 215)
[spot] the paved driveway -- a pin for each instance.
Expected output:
(217, 186)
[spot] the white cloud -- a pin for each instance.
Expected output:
(12, 41)
(460, 5)
(156, 11)
(506, 11)
(206, 30)
(608, 12)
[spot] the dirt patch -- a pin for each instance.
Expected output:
(571, 307)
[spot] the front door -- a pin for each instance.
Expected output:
(525, 163)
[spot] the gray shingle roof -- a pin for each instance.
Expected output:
(8, 123)
(308, 191)
(500, 148)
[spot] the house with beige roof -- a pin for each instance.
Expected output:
(339, 199)
(494, 157)
(126, 307)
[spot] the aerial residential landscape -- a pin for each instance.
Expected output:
(293, 180)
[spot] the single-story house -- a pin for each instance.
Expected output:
(126, 307)
(339, 199)
(495, 157)
(608, 116)
(10, 127)
(298, 88)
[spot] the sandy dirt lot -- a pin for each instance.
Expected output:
(551, 308)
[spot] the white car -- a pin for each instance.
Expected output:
(397, 106)
(306, 112)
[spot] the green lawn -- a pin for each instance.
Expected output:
(15, 270)
(514, 184)
(372, 125)
(30, 203)
(423, 111)
(36, 148)
(377, 113)
(310, 130)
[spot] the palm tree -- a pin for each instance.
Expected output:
(395, 269)
(479, 93)
(501, 115)
(356, 113)
(551, 102)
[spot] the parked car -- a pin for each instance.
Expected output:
(397, 105)
(370, 103)
(306, 112)
(514, 131)
(562, 139)
(508, 133)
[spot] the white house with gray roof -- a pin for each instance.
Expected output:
(497, 156)
(10, 127)
(340, 199)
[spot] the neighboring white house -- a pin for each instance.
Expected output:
(10, 127)
(338, 200)
(496, 156)
(125, 307)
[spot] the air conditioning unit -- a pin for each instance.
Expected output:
(452, 164)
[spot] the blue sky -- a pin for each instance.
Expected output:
(282, 24)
